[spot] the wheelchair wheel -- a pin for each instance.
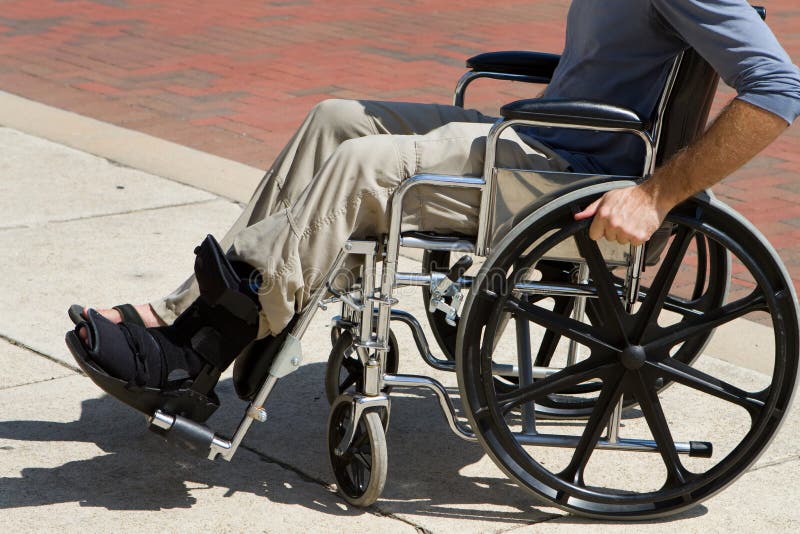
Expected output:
(345, 370)
(361, 471)
(686, 442)
(704, 287)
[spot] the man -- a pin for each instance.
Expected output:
(334, 179)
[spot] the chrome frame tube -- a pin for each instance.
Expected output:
(555, 289)
(470, 76)
(525, 372)
(457, 245)
(485, 221)
(393, 240)
(614, 423)
(658, 123)
(578, 313)
(427, 279)
(500, 369)
(558, 440)
(367, 292)
(227, 449)
(411, 381)
(633, 276)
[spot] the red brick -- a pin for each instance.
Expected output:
(237, 79)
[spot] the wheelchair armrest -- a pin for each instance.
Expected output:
(534, 64)
(566, 112)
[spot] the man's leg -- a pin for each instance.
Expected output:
(349, 197)
(292, 249)
(329, 124)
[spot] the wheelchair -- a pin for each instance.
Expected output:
(572, 356)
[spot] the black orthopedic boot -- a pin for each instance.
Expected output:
(175, 368)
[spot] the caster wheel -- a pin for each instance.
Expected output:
(345, 370)
(336, 333)
(360, 471)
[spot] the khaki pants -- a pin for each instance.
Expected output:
(334, 181)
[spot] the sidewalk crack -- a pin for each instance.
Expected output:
(44, 355)
(310, 478)
(778, 461)
(51, 379)
(127, 212)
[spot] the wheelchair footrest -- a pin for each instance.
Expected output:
(185, 433)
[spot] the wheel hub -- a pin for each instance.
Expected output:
(633, 357)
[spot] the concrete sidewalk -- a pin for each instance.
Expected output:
(75, 227)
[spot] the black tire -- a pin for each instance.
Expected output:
(632, 356)
(345, 370)
(361, 471)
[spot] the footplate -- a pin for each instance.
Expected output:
(184, 400)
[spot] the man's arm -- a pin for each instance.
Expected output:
(632, 214)
(739, 45)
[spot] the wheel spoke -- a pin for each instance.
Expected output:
(686, 308)
(647, 396)
(555, 383)
(696, 379)
(566, 326)
(610, 395)
(359, 457)
(609, 302)
(348, 382)
(679, 332)
(358, 473)
(359, 440)
(353, 365)
(659, 289)
(550, 339)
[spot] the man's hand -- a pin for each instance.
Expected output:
(632, 214)
(627, 215)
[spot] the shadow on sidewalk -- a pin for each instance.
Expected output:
(430, 470)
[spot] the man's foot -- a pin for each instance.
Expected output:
(145, 311)
(145, 366)
(146, 315)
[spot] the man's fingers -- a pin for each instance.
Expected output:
(597, 229)
(590, 210)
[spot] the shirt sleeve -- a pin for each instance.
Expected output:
(731, 36)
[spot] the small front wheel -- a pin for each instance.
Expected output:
(360, 471)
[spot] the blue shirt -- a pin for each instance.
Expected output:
(620, 51)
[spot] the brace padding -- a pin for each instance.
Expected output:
(224, 320)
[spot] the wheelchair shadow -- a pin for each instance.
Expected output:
(431, 472)
(137, 472)
(134, 469)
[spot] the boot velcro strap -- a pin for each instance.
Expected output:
(212, 346)
(207, 379)
(239, 305)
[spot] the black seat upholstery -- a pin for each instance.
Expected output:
(574, 113)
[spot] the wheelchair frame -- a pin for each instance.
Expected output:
(368, 310)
